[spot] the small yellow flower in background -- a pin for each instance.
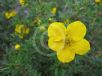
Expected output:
(54, 10)
(42, 28)
(10, 14)
(97, 1)
(22, 2)
(21, 30)
(17, 46)
(67, 42)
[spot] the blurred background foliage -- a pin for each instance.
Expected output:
(36, 14)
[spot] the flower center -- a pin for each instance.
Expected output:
(68, 41)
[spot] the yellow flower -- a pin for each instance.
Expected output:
(67, 42)
(97, 1)
(17, 46)
(54, 10)
(10, 14)
(21, 30)
(22, 2)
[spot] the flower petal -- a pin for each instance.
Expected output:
(55, 45)
(81, 47)
(56, 30)
(76, 30)
(65, 55)
(18, 28)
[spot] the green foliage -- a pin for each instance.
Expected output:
(40, 61)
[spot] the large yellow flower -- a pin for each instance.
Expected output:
(67, 42)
